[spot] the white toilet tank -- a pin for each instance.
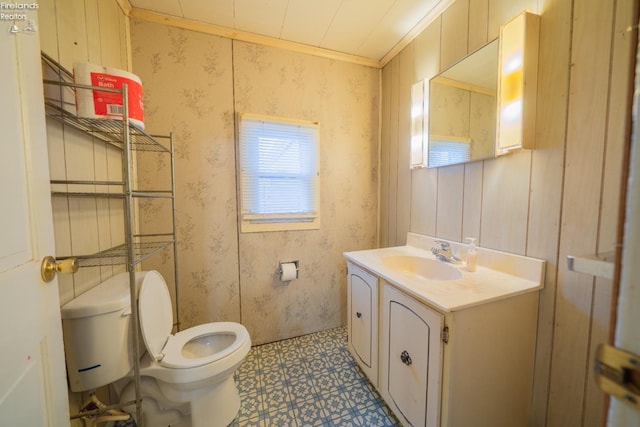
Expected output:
(97, 334)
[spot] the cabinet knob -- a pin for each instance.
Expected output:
(406, 359)
(358, 314)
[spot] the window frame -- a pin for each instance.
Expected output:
(261, 222)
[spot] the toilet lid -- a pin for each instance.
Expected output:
(155, 313)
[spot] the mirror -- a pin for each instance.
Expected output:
(484, 105)
(462, 109)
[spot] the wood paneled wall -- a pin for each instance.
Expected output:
(557, 200)
(597, 126)
(95, 31)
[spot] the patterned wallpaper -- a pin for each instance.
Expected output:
(194, 84)
(457, 112)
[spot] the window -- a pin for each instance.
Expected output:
(278, 174)
(447, 151)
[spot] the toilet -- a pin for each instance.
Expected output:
(186, 379)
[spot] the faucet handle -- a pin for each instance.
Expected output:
(444, 245)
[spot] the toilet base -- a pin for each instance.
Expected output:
(157, 410)
(218, 407)
(214, 407)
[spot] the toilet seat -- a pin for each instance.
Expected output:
(173, 353)
(156, 323)
(155, 313)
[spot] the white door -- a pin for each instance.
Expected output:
(627, 335)
(33, 389)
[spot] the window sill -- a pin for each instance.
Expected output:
(258, 223)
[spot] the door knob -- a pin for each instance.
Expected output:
(359, 314)
(50, 267)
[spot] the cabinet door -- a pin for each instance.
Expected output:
(363, 320)
(412, 358)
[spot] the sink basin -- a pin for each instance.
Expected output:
(423, 267)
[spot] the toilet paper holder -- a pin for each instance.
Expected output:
(281, 269)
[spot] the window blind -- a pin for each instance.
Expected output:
(279, 170)
(442, 152)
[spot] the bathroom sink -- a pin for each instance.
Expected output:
(423, 267)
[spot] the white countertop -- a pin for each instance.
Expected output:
(508, 276)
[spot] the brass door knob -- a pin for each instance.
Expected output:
(50, 267)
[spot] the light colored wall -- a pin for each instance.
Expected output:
(93, 31)
(557, 200)
(194, 85)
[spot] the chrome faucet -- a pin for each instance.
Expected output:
(444, 252)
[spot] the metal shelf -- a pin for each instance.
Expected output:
(111, 131)
(88, 194)
(120, 133)
(106, 130)
(137, 194)
(119, 194)
(119, 255)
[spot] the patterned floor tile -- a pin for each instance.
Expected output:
(283, 417)
(379, 416)
(337, 405)
(362, 398)
(302, 390)
(272, 376)
(277, 397)
(310, 413)
(296, 370)
(307, 381)
(247, 384)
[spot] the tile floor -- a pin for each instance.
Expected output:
(310, 380)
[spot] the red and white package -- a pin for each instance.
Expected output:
(97, 104)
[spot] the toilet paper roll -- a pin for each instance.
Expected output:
(95, 104)
(288, 271)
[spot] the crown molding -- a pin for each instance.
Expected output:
(125, 6)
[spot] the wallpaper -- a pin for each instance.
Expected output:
(194, 85)
(457, 112)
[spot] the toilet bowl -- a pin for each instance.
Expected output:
(157, 410)
(186, 378)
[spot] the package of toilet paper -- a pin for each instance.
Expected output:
(96, 104)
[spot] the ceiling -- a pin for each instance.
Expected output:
(370, 29)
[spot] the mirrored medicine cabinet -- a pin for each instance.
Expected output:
(481, 107)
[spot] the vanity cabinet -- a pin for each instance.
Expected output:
(362, 301)
(444, 368)
(410, 358)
